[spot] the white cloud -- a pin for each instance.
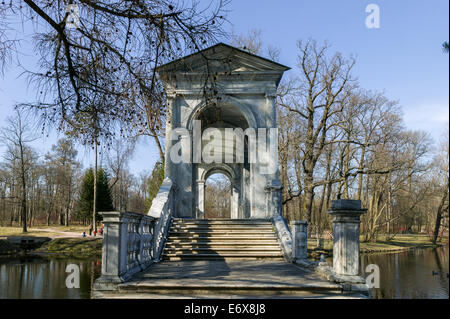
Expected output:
(429, 117)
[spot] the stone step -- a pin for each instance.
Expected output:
(223, 278)
(224, 256)
(221, 232)
(220, 227)
(222, 249)
(221, 222)
(222, 244)
(199, 239)
(193, 237)
(234, 290)
(181, 244)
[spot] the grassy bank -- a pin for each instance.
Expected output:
(46, 231)
(399, 243)
(72, 247)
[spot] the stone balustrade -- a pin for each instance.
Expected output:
(127, 246)
(132, 242)
(162, 209)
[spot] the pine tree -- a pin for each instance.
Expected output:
(86, 200)
(154, 182)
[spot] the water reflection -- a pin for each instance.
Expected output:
(409, 274)
(37, 277)
(403, 275)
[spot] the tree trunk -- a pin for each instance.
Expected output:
(94, 224)
(24, 192)
(439, 214)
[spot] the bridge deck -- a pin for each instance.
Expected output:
(227, 279)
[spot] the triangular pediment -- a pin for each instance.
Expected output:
(222, 58)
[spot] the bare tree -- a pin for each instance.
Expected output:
(109, 57)
(443, 164)
(16, 135)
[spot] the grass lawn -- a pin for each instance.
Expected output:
(73, 247)
(42, 231)
(17, 231)
(76, 228)
(400, 242)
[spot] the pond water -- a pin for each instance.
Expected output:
(407, 274)
(45, 278)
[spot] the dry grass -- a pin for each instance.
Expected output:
(42, 231)
(399, 243)
(73, 247)
(17, 231)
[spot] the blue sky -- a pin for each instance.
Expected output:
(403, 57)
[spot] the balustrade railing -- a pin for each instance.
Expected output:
(162, 209)
(127, 245)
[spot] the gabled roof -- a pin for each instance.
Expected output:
(221, 58)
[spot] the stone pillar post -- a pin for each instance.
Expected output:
(234, 203)
(201, 199)
(346, 224)
(273, 198)
(170, 118)
(114, 255)
(299, 229)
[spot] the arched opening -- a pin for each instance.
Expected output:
(218, 196)
(226, 154)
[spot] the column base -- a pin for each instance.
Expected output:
(107, 283)
(349, 279)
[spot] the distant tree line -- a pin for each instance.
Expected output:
(53, 188)
(339, 140)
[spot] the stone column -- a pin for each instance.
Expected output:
(273, 198)
(271, 123)
(200, 199)
(170, 119)
(299, 229)
(346, 225)
(234, 203)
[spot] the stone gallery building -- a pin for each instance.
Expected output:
(223, 87)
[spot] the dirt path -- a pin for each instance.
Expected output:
(61, 234)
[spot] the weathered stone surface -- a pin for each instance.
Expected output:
(299, 239)
(127, 247)
(222, 279)
(345, 204)
(244, 97)
(346, 250)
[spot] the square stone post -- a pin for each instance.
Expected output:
(346, 226)
(273, 198)
(299, 230)
(114, 251)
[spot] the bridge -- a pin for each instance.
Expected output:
(221, 117)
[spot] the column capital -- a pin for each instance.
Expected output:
(271, 94)
(171, 94)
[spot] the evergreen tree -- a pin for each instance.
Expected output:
(154, 182)
(86, 200)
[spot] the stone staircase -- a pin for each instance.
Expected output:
(216, 239)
